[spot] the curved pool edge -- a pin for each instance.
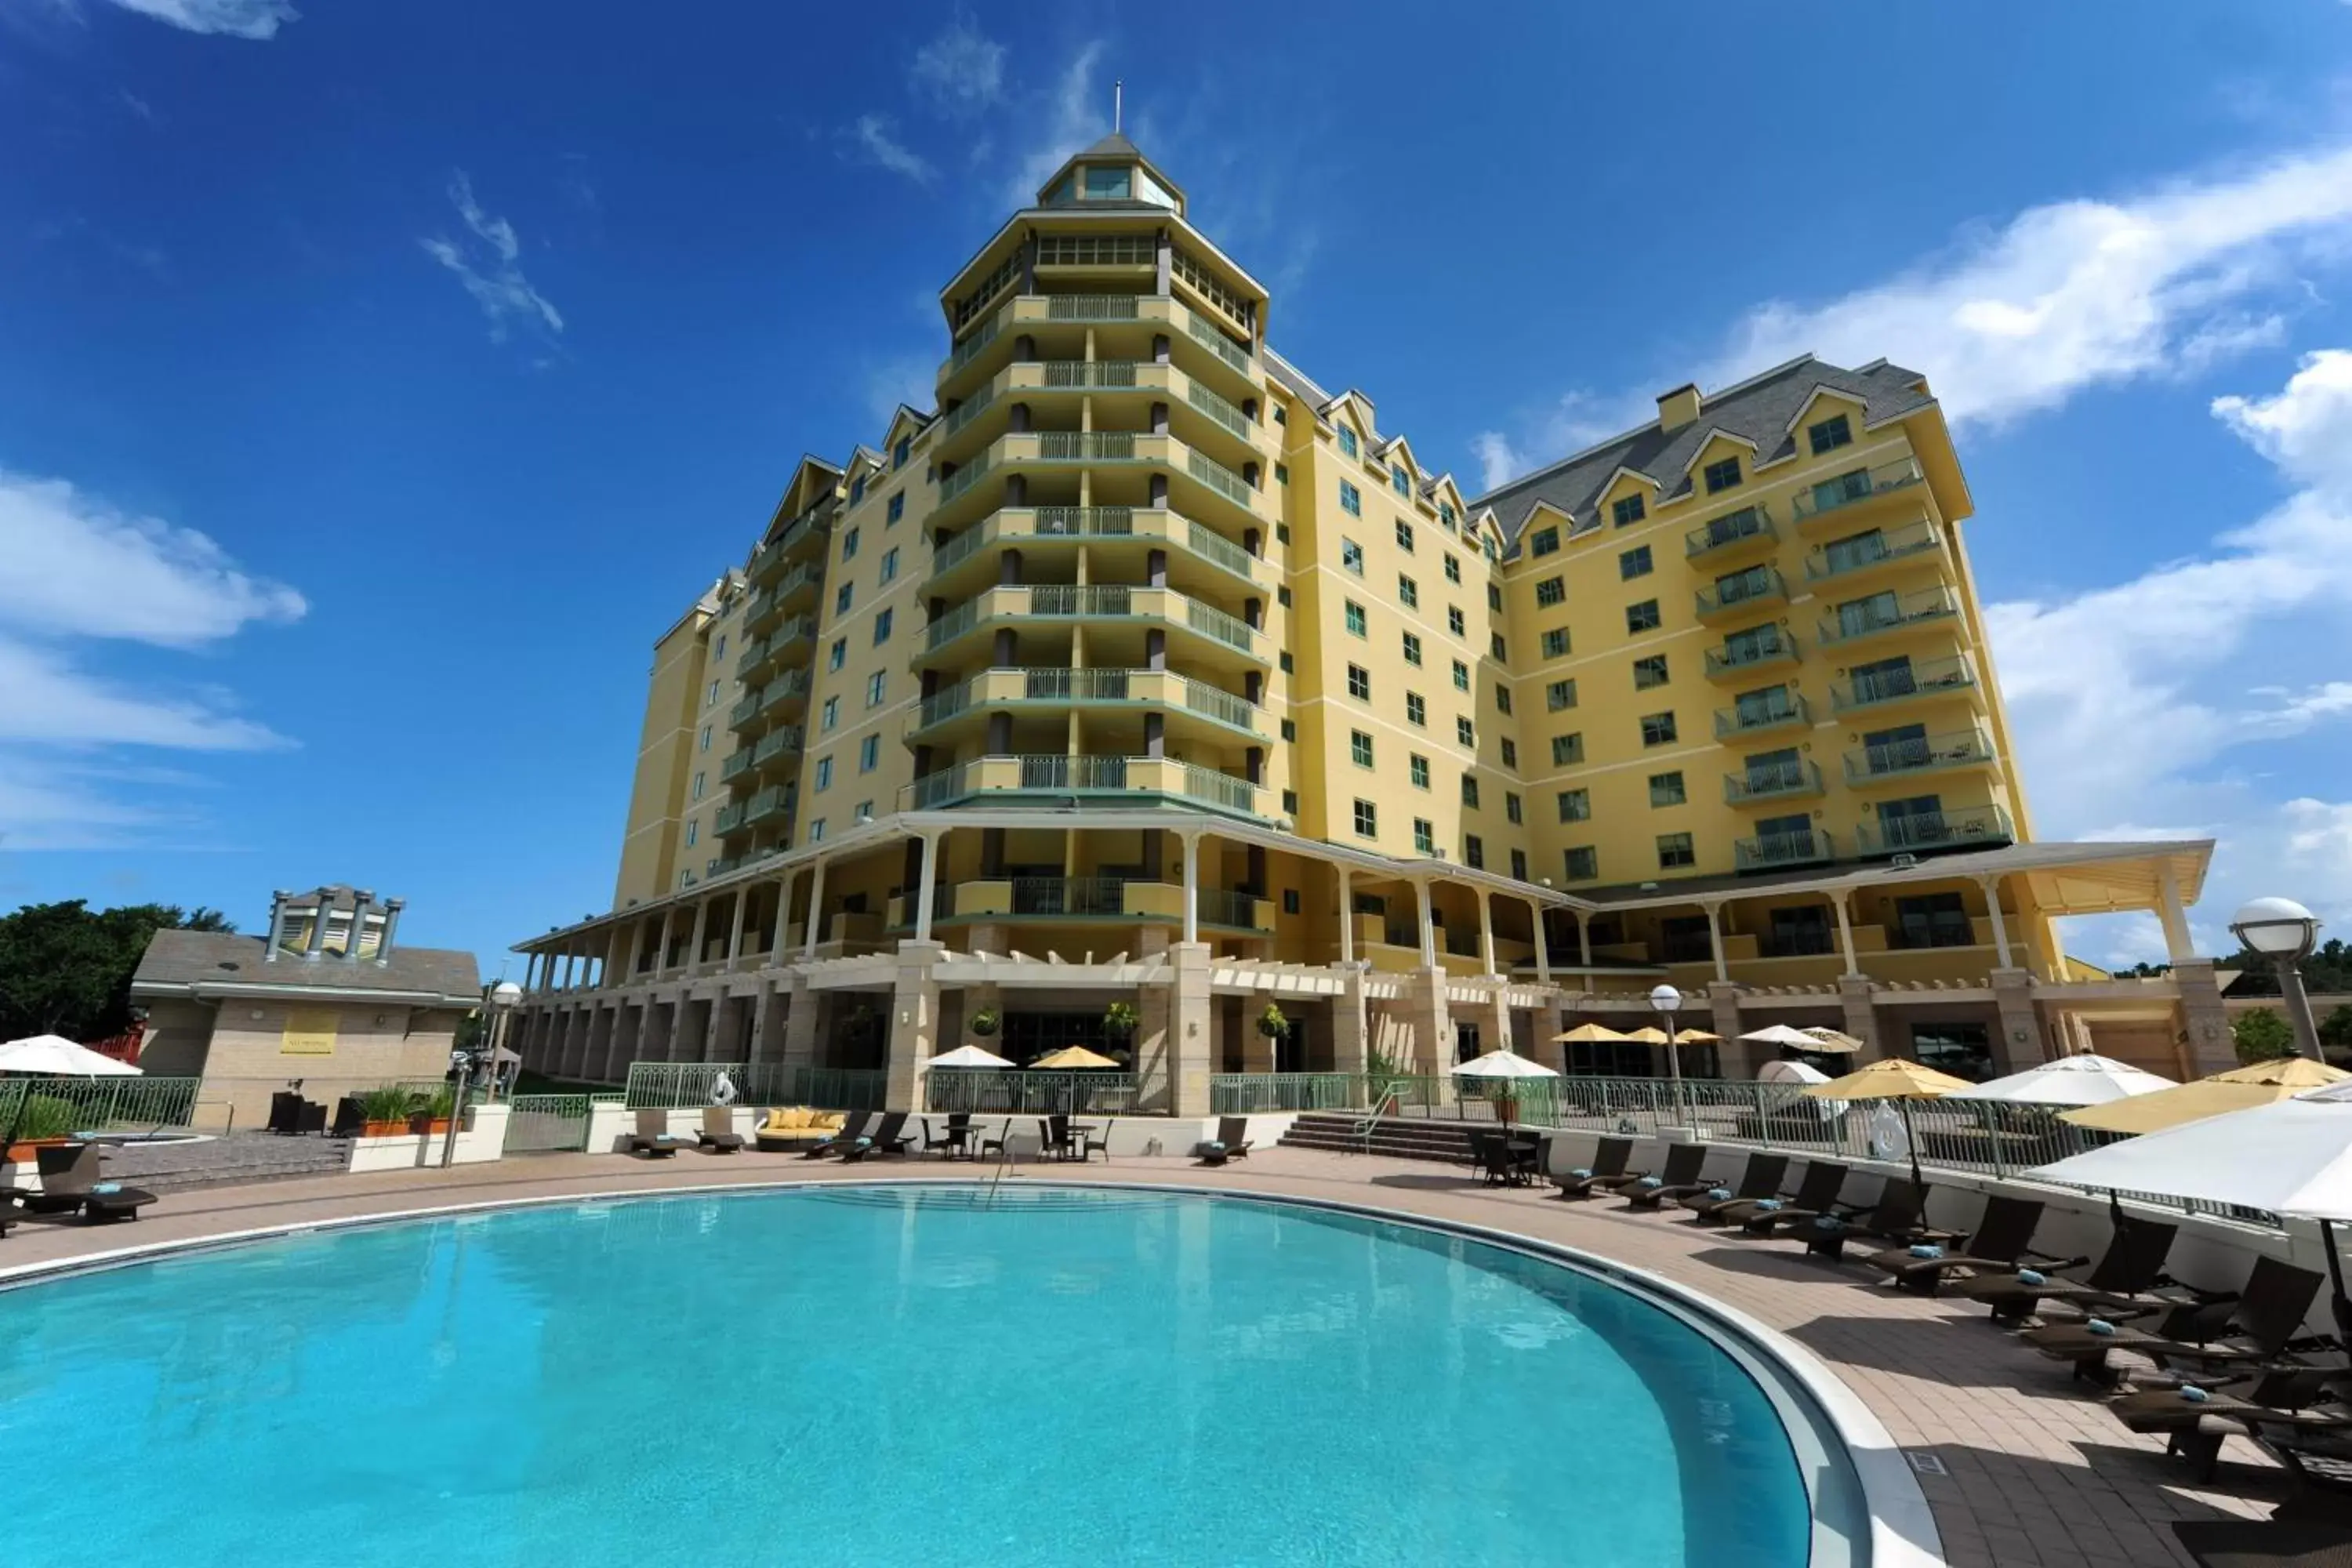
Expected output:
(1883, 1496)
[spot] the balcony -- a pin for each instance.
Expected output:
(1772, 781)
(1106, 899)
(752, 662)
(730, 818)
(768, 806)
(1122, 537)
(1853, 489)
(1921, 680)
(1792, 713)
(1961, 827)
(1743, 654)
(785, 697)
(1118, 779)
(1210, 629)
(1960, 749)
(1200, 486)
(1881, 615)
(1749, 530)
(1867, 555)
(745, 706)
(794, 637)
(1123, 324)
(1740, 596)
(1773, 851)
(737, 765)
(777, 743)
(1014, 689)
(799, 589)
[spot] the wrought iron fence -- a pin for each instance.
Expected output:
(105, 1102)
(990, 1091)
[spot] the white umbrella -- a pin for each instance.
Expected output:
(56, 1055)
(2086, 1079)
(1503, 1063)
(1789, 1072)
(967, 1057)
(1781, 1035)
(1825, 1038)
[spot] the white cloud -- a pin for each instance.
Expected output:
(872, 134)
(44, 699)
(911, 379)
(1074, 121)
(495, 280)
(235, 18)
(1499, 461)
(1575, 420)
(962, 71)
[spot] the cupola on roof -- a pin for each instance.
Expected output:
(1113, 173)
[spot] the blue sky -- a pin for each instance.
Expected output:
(378, 380)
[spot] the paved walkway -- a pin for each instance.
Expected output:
(2020, 1469)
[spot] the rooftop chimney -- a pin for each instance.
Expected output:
(392, 908)
(362, 899)
(319, 901)
(1678, 407)
(278, 898)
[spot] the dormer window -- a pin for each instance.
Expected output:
(1830, 435)
(899, 452)
(1347, 442)
(1108, 183)
(1721, 476)
(1627, 511)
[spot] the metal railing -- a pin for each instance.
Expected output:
(1742, 590)
(1732, 528)
(962, 479)
(100, 1103)
(999, 1092)
(1081, 599)
(1859, 485)
(1870, 616)
(1219, 478)
(1216, 548)
(939, 788)
(1920, 677)
(1085, 446)
(1067, 520)
(1052, 896)
(1867, 550)
(1056, 771)
(1219, 789)
(1771, 646)
(1770, 849)
(1222, 907)
(1961, 826)
(1227, 350)
(1219, 703)
(1093, 307)
(1091, 372)
(1224, 411)
(969, 348)
(1732, 721)
(966, 411)
(1768, 781)
(1919, 753)
(1210, 621)
(1235, 1094)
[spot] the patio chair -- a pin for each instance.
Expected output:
(718, 1134)
(2118, 1284)
(1608, 1167)
(2002, 1241)
(109, 1201)
(1056, 1129)
(2259, 1325)
(1233, 1131)
(1817, 1194)
(955, 1137)
(1761, 1183)
(1491, 1152)
(1895, 1218)
(1094, 1143)
(68, 1172)
(997, 1145)
(844, 1138)
(1680, 1178)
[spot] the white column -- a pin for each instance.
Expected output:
(1992, 886)
(1584, 939)
(1543, 949)
(1428, 926)
(1715, 940)
(2178, 943)
(701, 924)
(735, 935)
(1192, 887)
(1347, 918)
(636, 944)
(1845, 931)
(923, 894)
(661, 957)
(1485, 931)
(816, 908)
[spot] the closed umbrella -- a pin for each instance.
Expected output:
(60, 1057)
(1896, 1080)
(2240, 1088)
(1797, 1076)
(2086, 1079)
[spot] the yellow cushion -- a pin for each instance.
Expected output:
(797, 1116)
(830, 1121)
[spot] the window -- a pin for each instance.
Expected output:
(1666, 789)
(1290, 802)
(722, 646)
(710, 697)
(849, 545)
(891, 565)
(1543, 541)
(1721, 476)
(869, 753)
(1425, 837)
(1829, 435)
(841, 599)
(1400, 483)
(817, 831)
(1964, 1050)
(1555, 643)
(1405, 536)
(898, 508)
(1461, 676)
(1510, 752)
(882, 625)
(837, 654)
(1412, 648)
(1281, 471)
(1473, 851)
(1355, 617)
(1642, 617)
(878, 686)
(1674, 851)
(1455, 621)
(1495, 599)
(1282, 533)
(1560, 695)
(1417, 768)
(1470, 790)
(1351, 500)
(698, 779)
(1416, 712)
(1583, 863)
(1465, 732)
(1352, 555)
(862, 812)
(1282, 595)
(1567, 749)
(1550, 591)
(1627, 511)
(1368, 820)
(704, 744)
(1502, 698)
(1289, 730)
(1453, 570)
(1446, 513)
(1360, 683)
(1359, 748)
(1650, 671)
(828, 716)
(824, 774)
(1408, 592)
(1633, 563)
(693, 834)
(1932, 920)
(1657, 729)
(1519, 865)
(1347, 441)
(1576, 806)
(899, 452)
(1513, 812)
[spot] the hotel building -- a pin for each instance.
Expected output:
(1143, 667)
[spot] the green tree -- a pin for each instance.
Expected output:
(65, 969)
(2336, 1029)
(2261, 1035)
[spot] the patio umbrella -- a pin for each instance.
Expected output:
(57, 1056)
(1069, 1057)
(1825, 1038)
(1798, 1075)
(2240, 1088)
(1782, 1035)
(1896, 1080)
(1587, 1033)
(2086, 1079)
(965, 1057)
(1504, 1062)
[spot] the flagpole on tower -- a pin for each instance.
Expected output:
(1117, 105)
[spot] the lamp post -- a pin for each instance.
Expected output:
(499, 1002)
(2284, 932)
(1667, 1000)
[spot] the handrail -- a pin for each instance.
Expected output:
(1366, 1125)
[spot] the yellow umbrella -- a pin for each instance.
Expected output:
(2240, 1088)
(1648, 1034)
(1586, 1034)
(1697, 1037)
(1070, 1056)
(1897, 1079)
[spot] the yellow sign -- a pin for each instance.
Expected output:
(310, 1032)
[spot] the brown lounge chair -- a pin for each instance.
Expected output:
(842, 1138)
(109, 1201)
(2151, 1411)
(1684, 1162)
(2266, 1544)
(2118, 1284)
(68, 1172)
(1761, 1181)
(1897, 1217)
(718, 1134)
(653, 1139)
(1608, 1167)
(1816, 1194)
(2261, 1324)
(887, 1136)
(2002, 1241)
(1233, 1131)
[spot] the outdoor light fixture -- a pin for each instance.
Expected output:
(1669, 1001)
(2284, 932)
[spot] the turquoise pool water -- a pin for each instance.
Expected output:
(1068, 1376)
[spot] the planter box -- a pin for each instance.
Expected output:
(426, 1125)
(28, 1152)
(397, 1128)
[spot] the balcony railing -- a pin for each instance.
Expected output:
(1223, 412)
(962, 479)
(1216, 548)
(1085, 446)
(1058, 684)
(1054, 772)
(1866, 618)
(1771, 781)
(772, 745)
(1220, 704)
(1768, 850)
(1219, 478)
(1774, 646)
(804, 575)
(971, 348)
(1223, 907)
(1928, 678)
(951, 625)
(1919, 753)
(1961, 827)
(784, 689)
(966, 411)
(738, 764)
(1218, 789)
(1859, 485)
(1091, 372)
(1051, 896)
(1094, 307)
(1226, 347)
(1768, 589)
(939, 788)
(755, 653)
(745, 706)
(729, 817)
(1873, 549)
(1073, 773)
(1732, 722)
(1212, 622)
(774, 801)
(799, 628)
(1732, 528)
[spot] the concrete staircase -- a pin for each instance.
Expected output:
(229, 1160)
(1399, 1137)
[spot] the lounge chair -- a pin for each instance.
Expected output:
(718, 1134)
(2000, 1242)
(1816, 1194)
(1233, 1131)
(653, 1139)
(1609, 1162)
(842, 1138)
(68, 1172)
(887, 1136)
(2116, 1285)
(2149, 1410)
(1680, 1178)
(1896, 1218)
(110, 1201)
(1761, 1183)
(2259, 1325)
(2266, 1544)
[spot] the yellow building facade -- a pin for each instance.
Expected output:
(1143, 668)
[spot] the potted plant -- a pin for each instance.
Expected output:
(384, 1110)
(43, 1120)
(430, 1112)
(1120, 1022)
(986, 1022)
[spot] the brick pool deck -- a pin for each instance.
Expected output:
(2020, 1469)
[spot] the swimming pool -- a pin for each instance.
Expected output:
(1066, 1375)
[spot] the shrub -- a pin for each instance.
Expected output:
(986, 1022)
(2261, 1035)
(1272, 1023)
(1119, 1020)
(387, 1102)
(46, 1115)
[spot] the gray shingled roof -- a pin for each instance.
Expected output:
(176, 959)
(1758, 410)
